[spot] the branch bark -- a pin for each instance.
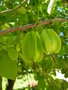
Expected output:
(0, 83)
(12, 10)
(29, 26)
(10, 84)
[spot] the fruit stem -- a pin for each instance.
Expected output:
(53, 58)
(34, 67)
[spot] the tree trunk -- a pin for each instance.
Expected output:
(0, 83)
(10, 84)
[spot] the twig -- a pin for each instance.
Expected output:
(0, 83)
(11, 10)
(34, 67)
(28, 26)
(53, 58)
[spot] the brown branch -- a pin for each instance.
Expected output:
(10, 84)
(53, 58)
(34, 67)
(0, 83)
(11, 10)
(28, 26)
(21, 28)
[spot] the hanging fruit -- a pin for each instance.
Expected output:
(51, 41)
(39, 53)
(31, 47)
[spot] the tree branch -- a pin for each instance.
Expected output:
(10, 84)
(11, 10)
(0, 83)
(28, 26)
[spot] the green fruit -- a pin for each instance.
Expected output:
(8, 68)
(12, 53)
(43, 44)
(51, 41)
(29, 46)
(39, 52)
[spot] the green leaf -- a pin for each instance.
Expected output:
(41, 82)
(12, 53)
(21, 10)
(50, 6)
(66, 49)
(8, 68)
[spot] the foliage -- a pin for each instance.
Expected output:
(13, 15)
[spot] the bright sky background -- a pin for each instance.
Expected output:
(60, 75)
